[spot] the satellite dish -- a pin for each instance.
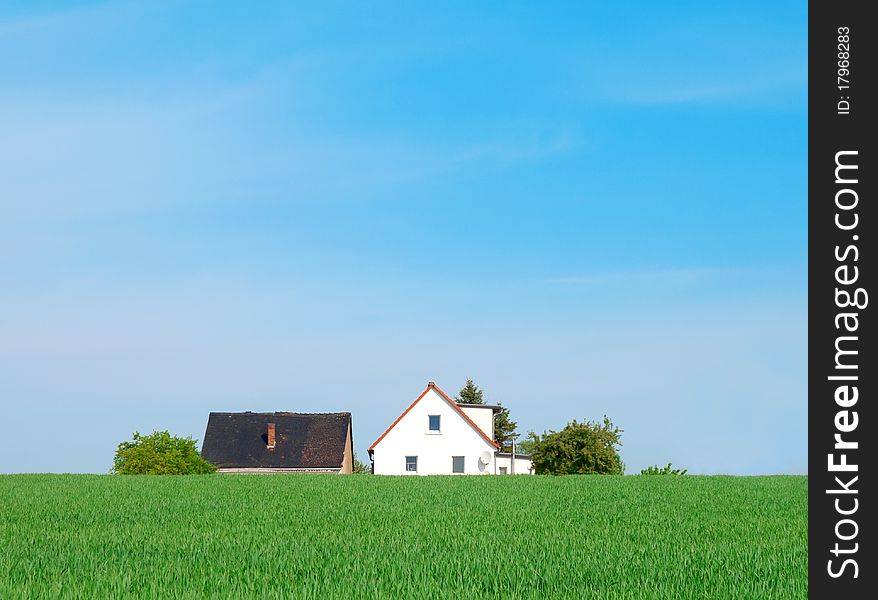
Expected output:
(485, 458)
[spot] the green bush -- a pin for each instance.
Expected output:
(655, 470)
(361, 468)
(579, 448)
(159, 453)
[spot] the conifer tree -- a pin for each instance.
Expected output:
(504, 429)
(470, 394)
(504, 426)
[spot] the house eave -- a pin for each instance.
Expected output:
(272, 470)
(493, 407)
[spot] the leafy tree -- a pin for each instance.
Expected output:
(470, 394)
(655, 470)
(361, 468)
(159, 453)
(504, 429)
(579, 448)
(527, 445)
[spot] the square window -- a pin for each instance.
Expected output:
(503, 470)
(411, 463)
(434, 422)
(457, 464)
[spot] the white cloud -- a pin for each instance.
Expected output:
(123, 153)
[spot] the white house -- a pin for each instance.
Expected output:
(437, 436)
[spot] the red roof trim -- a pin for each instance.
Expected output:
(450, 401)
(465, 416)
(399, 418)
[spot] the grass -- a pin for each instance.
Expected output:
(299, 536)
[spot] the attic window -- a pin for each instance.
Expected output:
(434, 422)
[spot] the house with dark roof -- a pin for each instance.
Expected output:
(279, 442)
(437, 436)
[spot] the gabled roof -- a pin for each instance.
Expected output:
(302, 440)
(433, 386)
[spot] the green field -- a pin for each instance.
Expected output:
(296, 536)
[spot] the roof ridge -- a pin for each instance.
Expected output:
(280, 412)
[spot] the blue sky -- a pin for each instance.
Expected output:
(588, 208)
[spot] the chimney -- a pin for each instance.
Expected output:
(270, 436)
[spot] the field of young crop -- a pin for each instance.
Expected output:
(83, 536)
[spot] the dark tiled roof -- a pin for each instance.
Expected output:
(302, 440)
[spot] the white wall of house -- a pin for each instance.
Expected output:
(523, 466)
(411, 436)
(482, 415)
